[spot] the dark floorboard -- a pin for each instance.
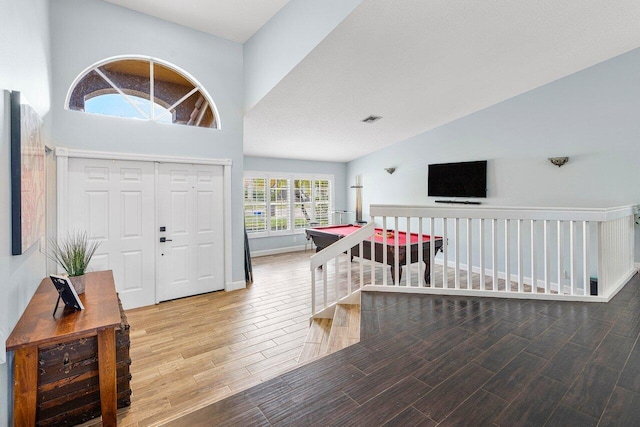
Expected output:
(429, 360)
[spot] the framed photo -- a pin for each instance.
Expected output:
(67, 292)
(28, 179)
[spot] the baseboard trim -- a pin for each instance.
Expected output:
(234, 286)
(278, 251)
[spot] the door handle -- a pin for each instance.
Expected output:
(164, 239)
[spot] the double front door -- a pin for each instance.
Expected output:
(160, 224)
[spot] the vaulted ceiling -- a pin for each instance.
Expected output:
(418, 64)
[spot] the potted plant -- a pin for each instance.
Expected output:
(73, 253)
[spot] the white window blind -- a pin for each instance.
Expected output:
(279, 204)
(322, 189)
(303, 203)
(255, 205)
(276, 203)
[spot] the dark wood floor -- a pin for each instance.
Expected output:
(430, 360)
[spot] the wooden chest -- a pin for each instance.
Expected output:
(68, 386)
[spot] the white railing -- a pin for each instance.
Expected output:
(542, 253)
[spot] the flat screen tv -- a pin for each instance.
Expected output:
(464, 179)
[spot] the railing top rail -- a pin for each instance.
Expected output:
(504, 212)
(342, 245)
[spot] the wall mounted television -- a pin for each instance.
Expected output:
(464, 179)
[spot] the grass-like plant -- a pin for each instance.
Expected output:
(73, 253)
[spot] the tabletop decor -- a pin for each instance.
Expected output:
(74, 253)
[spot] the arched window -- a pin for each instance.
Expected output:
(142, 88)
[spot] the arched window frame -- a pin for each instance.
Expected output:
(152, 60)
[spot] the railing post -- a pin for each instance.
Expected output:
(534, 273)
(407, 255)
(546, 256)
(507, 256)
(481, 243)
(456, 248)
(469, 253)
(432, 253)
(385, 251)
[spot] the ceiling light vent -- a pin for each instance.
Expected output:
(371, 119)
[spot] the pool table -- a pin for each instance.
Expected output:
(325, 236)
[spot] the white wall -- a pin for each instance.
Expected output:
(590, 116)
(84, 32)
(265, 164)
(24, 66)
(285, 39)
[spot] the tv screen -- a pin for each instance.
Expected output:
(465, 179)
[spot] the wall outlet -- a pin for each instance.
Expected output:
(565, 274)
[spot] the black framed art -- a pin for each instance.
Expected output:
(28, 180)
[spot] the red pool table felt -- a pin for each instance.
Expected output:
(345, 230)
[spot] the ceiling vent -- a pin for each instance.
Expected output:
(371, 119)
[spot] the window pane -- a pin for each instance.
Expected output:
(302, 203)
(323, 201)
(255, 204)
(114, 104)
(130, 75)
(279, 204)
(194, 111)
(169, 87)
(89, 86)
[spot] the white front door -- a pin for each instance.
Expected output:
(113, 201)
(190, 208)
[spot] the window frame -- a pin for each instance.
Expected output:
(152, 60)
(291, 177)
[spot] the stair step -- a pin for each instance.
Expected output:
(345, 329)
(317, 340)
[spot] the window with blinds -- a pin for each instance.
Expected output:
(277, 203)
(303, 211)
(322, 189)
(255, 205)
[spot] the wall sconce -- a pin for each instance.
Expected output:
(558, 161)
(390, 170)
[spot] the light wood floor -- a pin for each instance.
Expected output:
(194, 351)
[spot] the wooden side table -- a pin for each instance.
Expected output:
(37, 327)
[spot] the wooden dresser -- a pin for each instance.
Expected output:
(37, 329)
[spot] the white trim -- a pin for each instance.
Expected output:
(235, 286)
(508, 212)
(228, 227)
(156, 236)
(175, 68)
(480, 293)
(109, 155)
(62, 200)
(62, 192)
(278, 251)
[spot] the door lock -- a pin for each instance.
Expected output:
(164, 239)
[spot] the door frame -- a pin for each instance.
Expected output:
(62, 200)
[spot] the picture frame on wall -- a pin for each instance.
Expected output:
(28, 179)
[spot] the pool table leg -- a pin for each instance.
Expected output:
(427, 271)
(393, 274)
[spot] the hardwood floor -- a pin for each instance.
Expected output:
(190, 352)
(433, 360)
